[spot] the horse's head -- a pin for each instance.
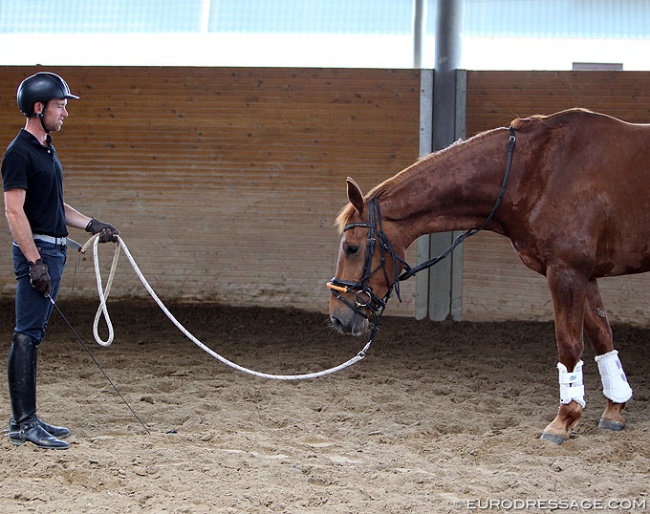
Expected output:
(365, 275)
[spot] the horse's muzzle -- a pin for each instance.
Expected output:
(348, 322)
(349, 318)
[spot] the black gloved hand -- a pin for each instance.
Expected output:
(39, 277)
(107, 233)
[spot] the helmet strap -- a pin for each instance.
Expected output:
(41, 116)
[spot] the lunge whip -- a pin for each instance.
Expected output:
(85, 347)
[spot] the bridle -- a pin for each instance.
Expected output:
(364, 297)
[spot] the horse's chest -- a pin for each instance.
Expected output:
(529, 257)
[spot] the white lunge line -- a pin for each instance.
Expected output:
(103, 311)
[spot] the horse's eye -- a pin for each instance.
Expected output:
(351, 250)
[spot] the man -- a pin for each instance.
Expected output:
(38, 218)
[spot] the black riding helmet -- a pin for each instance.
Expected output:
(42, 87)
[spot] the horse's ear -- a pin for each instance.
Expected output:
(355, 196)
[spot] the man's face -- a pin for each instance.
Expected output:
(55, 113)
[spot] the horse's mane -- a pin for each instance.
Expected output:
(550, 121)
(387, 185)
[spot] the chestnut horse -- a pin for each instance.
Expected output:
(573, 200)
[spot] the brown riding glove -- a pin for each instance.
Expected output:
(107, 233)
(39, 277)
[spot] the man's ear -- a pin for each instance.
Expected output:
(39, 107)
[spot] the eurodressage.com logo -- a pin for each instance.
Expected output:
(620, 504)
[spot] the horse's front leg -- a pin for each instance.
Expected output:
(568, 291)
(615, 386)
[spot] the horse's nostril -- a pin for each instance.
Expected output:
(336, 323)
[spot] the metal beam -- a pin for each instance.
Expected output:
(447, 59)
(419, 18)
(426, 139)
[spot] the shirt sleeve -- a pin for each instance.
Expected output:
(14, 171)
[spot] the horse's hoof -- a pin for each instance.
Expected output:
(610, 424)
(554, 438)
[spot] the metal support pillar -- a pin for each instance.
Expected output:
(444, 281)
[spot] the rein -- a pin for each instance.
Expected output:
(364, 297)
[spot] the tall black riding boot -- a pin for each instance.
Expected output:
(22, 390)
(58, 432)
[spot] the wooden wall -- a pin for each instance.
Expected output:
(496, 285)
(225, 183)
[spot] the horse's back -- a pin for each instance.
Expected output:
(587, 189)
(579, 144)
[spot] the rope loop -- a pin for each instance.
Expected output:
(102, 312)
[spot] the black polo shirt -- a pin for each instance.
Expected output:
(29, 165)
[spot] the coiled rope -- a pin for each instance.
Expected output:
(102, 311)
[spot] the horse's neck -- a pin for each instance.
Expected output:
(452, 190)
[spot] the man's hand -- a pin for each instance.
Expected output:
(39, 277)
(107, 233)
